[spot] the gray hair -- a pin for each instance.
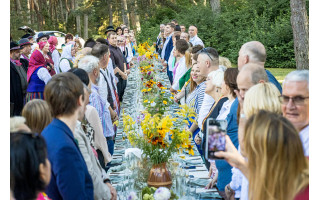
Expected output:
(255, 50)
(16, 122)
(258, 73)
(297, 76)
(88, 63)
(217, 77)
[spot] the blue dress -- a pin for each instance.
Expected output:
(225, 174)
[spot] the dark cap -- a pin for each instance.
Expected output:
(41, 35)
(109, 28)
(14, 46)
(24, 41)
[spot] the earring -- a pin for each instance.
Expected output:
(217, 90)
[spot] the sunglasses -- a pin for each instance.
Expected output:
(204, 50)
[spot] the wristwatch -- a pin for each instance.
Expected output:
(107, 181)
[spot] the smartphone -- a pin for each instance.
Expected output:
(215, 137)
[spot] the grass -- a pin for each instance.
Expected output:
(280, 73)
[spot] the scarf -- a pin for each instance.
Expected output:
(16, 62)
(25, 57)
(53, 41)
(37, 60)
(66, 53)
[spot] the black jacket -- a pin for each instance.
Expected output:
(16, 95)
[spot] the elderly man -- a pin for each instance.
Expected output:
(91, 65)
(295, 103)
(25, 51)
(255, 52)
(18, 80)
(194, 39)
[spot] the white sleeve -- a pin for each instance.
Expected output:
(44, 75)
(208, 101)
(64, 65)
(181, 70)
(56, 59)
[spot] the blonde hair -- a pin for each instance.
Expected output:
(85, 51)
(278, 169)
(16, 122)
(263, 96)
(188, 58)
(225, 62)
(37, 114)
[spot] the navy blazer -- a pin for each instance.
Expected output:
(168, 49)
(70, 178)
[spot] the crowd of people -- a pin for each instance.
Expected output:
(63, 109)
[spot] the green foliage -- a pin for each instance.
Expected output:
(239, 22)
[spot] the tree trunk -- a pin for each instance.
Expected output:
(36, 6)
(78, 19)
(125, 13)
(300, 28)
(215, 6)
(61, 10)
(18, 7)
(137, 18)
(85, 27)
(29, 12)
(110, 13)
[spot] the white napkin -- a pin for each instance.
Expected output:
(137, 152)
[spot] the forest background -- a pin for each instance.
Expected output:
(222, 24)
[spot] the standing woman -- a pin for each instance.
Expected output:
(38, 72)
(67, 58)
(54, 53)
(119, 31)
(125, 30)
(133, 43)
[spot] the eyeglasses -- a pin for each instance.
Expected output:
(297, 100)
(204, 50)
(120, 40)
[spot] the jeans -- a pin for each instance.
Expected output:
(110, 146)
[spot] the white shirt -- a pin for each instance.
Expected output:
(56, 60)
(181, 70)
(225, 109)
(103, 87)
(208, 101)
(64, 65)
(244, 188)
(111, 73)
(196, 40)
(304, 136)
(170, 64)
(163, 52)
(130, 54)
(44, 75)
(236, 180)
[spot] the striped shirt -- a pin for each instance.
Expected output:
(199, 96)
(96, 101)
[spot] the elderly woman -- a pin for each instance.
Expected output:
(38, 73)
(67, 58)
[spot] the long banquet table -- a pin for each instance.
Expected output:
(190, 175)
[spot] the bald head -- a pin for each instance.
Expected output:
(252, 52)
(193, 31)
(250, 75)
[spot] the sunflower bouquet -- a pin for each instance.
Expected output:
(161, 135)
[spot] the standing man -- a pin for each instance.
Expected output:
(29, 37)
(255, 52)
(18, 80)
(159, 38)
(90, 64)
(120, 68)
(70, 178)
(295, 104)
(194, 39)
(167, 48)
(185, 36)
(25, 52)
(101, 51)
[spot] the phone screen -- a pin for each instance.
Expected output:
(215, 137)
